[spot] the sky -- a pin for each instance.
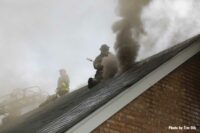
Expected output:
(37, 38)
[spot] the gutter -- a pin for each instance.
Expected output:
(113, 106)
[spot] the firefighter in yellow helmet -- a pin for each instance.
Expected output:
(63, 83)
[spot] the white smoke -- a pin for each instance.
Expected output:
(18, 67)
(37, 38)
(166, 23)
(110, 66)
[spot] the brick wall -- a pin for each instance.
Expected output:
(173, 101)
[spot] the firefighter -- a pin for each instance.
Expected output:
(98, 66)
(63, 83)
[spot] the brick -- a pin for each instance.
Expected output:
(174, 100)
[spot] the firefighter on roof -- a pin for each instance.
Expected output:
(98, 66)
(63, 83)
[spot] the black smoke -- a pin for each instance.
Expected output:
(127, 31)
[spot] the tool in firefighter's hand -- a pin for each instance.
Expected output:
(90, 60)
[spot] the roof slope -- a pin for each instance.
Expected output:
(72, 108)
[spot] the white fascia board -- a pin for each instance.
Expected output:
(113, 106)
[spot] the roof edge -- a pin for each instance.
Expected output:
(113, 106)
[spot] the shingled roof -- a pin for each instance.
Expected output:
(67, 111)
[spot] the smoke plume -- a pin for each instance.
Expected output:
(150, 26)
(110, 66)
(166, 23)
(128, 30)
